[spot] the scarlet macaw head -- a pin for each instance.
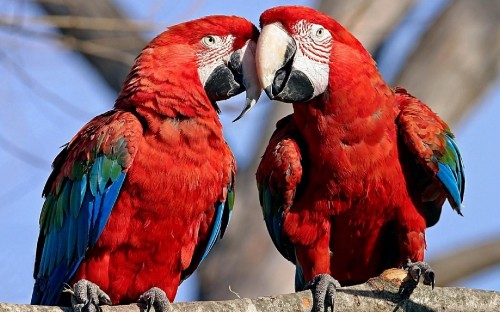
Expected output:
(216, 51)
(297, 51)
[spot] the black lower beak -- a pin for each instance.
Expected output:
(289, 84)
(296, 88)
(226, 80)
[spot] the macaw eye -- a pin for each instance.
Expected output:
(210, 41)
(319, 32)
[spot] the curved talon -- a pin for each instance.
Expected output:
(86, 296)
(155, 297)
(324, 289)
(418, 269)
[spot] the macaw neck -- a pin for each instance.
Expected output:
(357, 109)
(158, 92)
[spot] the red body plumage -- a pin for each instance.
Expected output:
(166, 140)
(351, 175)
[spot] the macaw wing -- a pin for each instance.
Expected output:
(79, 196)
(431, 142)
(278, 177)
(222, 215)
(224, 210)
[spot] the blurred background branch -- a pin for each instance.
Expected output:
(112, 70)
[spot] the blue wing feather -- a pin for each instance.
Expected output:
(451, 174)
(273, 217)
(86, 208)
(107, 203)
(215, 231)
(221, 220)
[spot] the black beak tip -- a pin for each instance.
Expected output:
(269, 92)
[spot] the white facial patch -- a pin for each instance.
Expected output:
(318, 73)
(217, 51)
(314, 45)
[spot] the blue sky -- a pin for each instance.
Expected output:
(49, 93)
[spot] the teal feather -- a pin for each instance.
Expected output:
(52, 250)
(106, 169)
(52, 214)
(84, 224)
(95, 176)
(116, 170)
(75, 198)
(215, 230)
(63, 203)
(451, 173)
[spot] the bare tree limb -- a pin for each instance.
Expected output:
(453, 65)
(82, 22)
(382, 293)
(465, 261)
(370, 21)
(113, 72)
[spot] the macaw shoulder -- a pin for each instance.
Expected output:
(114, 134)
(423, 132)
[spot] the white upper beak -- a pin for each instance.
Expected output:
(250, 79)
(272, 47)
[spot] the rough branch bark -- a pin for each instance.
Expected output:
(378, 294)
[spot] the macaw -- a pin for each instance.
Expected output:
(141, 193)
(353, 177)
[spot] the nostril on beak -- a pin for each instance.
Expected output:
(235, 66)
(279, 81)
(281, 77)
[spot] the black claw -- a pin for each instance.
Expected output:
(86, 296)
(324, 289)
(418, 269)
(430, 278)
(155, 297)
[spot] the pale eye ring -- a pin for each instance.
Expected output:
(209, 41)
(319, 32)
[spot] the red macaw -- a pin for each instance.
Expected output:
(350, 181)
(139, 196)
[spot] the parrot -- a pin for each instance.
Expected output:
(140, 195)
(351, 179)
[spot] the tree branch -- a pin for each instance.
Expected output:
(382, 293)
(463, 262)
(83, 22)
(113, 72)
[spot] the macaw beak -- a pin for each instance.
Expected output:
(245, 57)
(235, 76)
(275, 56)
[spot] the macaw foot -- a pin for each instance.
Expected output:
(156, 298)
(86, 296)
(324, 289)
(419, 269)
